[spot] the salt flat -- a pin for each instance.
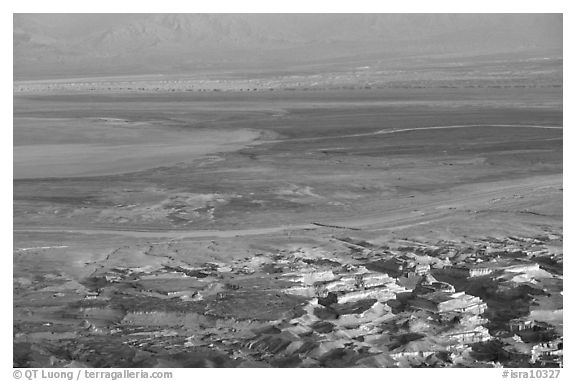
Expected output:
(67, 147)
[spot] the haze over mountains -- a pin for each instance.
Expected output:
(73, 45)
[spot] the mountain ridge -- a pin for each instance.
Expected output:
(82, 44)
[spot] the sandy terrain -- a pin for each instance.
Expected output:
(152, 224)
(419, 212)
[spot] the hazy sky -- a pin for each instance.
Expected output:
(48, 44)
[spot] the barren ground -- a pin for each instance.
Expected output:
(146, 182)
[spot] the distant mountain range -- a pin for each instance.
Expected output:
(71, 45)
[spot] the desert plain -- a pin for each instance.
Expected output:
(250, 222)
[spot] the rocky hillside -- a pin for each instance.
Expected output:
(63, 45)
